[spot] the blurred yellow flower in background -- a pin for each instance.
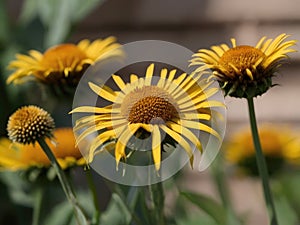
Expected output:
(63, 64)
(172, 106)
(279, 144)
(15, 156)
(244, 71)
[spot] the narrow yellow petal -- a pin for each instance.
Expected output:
(149, 74)
(162, 79)
(105, 93)
(186, 133)
(93, 109)
(156, 147)
(180, 140)
(233, 42)
(199, 126)
(122, 141)
(195, 116)
(118, 80)
(249, 73)
(276, 43)
(99, 127)
(260, 42)
(133, 78)
(224, 47)
(176, 82)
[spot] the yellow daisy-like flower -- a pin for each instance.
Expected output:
(15, 156)
(62, 64)
(277, 144)
(169, 105)
(245, 71)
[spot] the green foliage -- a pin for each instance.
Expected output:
(208, 205)
(117, 212)
(57, 16)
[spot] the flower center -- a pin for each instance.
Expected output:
(241, 57)
(63, 56)
(149, 104)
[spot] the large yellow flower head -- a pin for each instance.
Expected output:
(169, 106)
(14, 156)
(63, 64)
(279, 145)
(245, 71)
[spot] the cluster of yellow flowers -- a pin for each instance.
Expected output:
(180, 100)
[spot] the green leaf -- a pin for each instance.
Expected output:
(61, 214)
(208, 205)
(285, 213)
(117, 212)
(29, 11)
(60, 16)
(17, 188)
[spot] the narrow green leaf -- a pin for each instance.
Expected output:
(285, 213)
(117, 212)
(29, 11)
(208, 205)
(61, 214)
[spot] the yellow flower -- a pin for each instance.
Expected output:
(165, 106)
(244, 71)
(277, 143)
(15, 156)
(62, 64)
(28, 124)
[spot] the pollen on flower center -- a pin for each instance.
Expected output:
(62, 56)
(241, 57)
(149, 104)
(152, 109)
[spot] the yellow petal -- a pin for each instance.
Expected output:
(259, 44)
(233, 42)
(156, 147)
(105, 93)
(193, 116)
(163, 76)
(170, 78)
(93, 109)
(180, 140)
(199, 126)
(122, 141)
(133, 78)
(118, 80)
(187, 133)
(149, 74)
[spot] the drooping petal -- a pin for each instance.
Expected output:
(180, 140)
(156, 147)
(122, 141)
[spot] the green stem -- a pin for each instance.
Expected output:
(64, 182)
(39, 192)
(261, 164)
(157, 198)
(96, 216)
(219, 178)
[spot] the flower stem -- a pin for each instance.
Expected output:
(96, 216)
(64, 182)
(39, 192)
(261, 164)
(157, 198)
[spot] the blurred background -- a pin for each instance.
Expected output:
(193, 24)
